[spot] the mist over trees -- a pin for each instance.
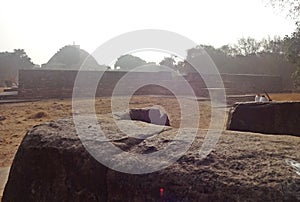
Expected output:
(10, 63)
(271, 56)
(169, 62)
(247, 56)
(128, 62)
(292, 42)
(293, 54)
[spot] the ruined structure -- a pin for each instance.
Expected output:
(267, 117)
(41, 83)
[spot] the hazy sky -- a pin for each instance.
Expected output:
(42, 27)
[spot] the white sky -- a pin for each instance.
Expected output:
(41, 27)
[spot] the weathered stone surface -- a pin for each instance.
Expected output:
(52, 165)
(268, 117)
(150, 115)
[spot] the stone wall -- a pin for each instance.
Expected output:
(60, 83)
(250, 83)
(266, 117)
(40, 83)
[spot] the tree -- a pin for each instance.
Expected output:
(248, 46)
(169, 62)
(128, 62)
(229, 50)
(200, 57)
(11, 62)
(275, 45)
(292, 53)
(292, 7)
(292, 46)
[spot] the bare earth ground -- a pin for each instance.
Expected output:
(22, 116)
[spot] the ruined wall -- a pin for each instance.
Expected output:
(265, 117)
(250, 83)
(40, 83)
(60, 83)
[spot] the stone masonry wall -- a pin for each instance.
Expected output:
(40, 83)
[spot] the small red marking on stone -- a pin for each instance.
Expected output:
(161, 191)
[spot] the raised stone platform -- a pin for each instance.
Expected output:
(267, 117)
(8, 95)
(52, 165)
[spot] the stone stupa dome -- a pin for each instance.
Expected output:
(72, 57)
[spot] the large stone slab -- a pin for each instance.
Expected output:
(52, 164)
(150, 115)
(267, 117)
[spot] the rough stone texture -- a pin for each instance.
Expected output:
(268, 117)
(150, 115)
(52, 165)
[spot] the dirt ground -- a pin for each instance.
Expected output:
(285, 97)
(19, 117)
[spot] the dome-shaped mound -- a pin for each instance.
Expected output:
(72, 57)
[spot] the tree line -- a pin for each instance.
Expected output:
(273, 56)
